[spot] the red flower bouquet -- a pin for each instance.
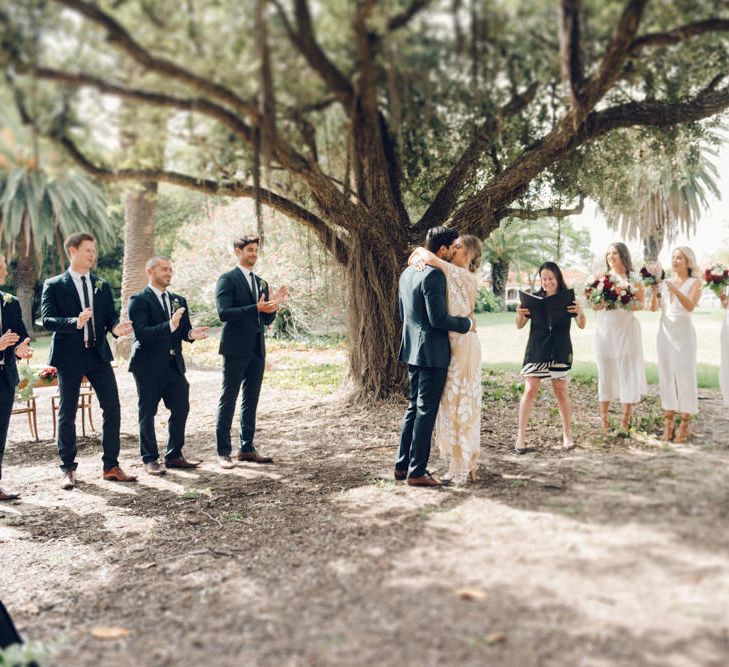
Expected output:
(717, 278)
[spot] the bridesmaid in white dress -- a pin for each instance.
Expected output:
(676, 343)
(458, 424)
(724, 369)
(619, 350)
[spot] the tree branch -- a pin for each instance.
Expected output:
(120, 37)
(549, 212)
(612, 61)
(478, 213)
(304, 39)
(570, 49)
(678, 35)
(199, 104)
(227, 188)
(444, 201)
(404, 17)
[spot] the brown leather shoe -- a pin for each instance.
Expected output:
(68, 480)
(401, 475)
(225, 462)
(181, 463)
(425, 480)
(154, 468)
(7, 495)
(118, 475)
(254, 457)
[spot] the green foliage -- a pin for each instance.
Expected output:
(20, 655)
(487, 302)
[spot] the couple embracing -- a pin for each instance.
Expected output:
(443, 355)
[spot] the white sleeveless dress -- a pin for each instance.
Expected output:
(676, 346)
(458, 424)
(619, 353)
(724, 368)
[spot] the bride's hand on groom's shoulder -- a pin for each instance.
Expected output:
(417, 259)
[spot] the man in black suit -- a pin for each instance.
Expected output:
(161, 322)
(244, 306)
(78, 307)
(13, 343)
(427, 352)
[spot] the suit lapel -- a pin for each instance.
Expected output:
(153, 297)
(246, 284)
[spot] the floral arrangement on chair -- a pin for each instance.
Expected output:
(32, 377)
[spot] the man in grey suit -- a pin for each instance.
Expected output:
(427, 352)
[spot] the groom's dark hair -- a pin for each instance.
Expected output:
(438, 236)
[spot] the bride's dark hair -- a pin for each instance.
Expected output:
(624, 255)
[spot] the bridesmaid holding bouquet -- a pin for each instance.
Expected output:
(676, 344)
(620, 365)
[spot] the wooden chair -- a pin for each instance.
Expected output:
(30, 409)
(85, 399)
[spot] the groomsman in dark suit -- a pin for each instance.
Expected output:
(426, 350)
(244, 306)
(161, 322)
(78, 307)
(13, 344)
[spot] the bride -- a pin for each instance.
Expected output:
(458, 424)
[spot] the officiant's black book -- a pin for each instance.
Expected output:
(548, 310)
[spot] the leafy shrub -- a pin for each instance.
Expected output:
(487, 302)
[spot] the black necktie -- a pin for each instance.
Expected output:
(90, 338)
(253, 287)
(165, 307)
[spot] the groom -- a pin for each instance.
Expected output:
(427, 352)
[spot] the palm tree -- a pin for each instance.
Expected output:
(38, 210)
(512, 243)
(668, 202)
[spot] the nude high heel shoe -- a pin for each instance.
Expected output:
(684, 429)
(669, 424)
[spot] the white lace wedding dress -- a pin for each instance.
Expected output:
(458, 424)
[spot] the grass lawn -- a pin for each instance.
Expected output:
(503, 344)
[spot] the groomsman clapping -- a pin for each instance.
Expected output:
(161, 322)
(78, 307)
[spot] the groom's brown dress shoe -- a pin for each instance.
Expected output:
(425, 480)
(254, 457)
(401, 475)
(181, 463)
(118, 475)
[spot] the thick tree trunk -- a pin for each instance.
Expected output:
(653, 243)
(499, 276)
(140, 206)
(374, 325)
(26, 277)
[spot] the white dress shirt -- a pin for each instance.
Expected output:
(247, 275)
(168, 308)
(76, 277)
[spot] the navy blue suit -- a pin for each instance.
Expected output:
(427, 352)
(60, 307)
(159, 370)
(12, 321)
(243, 347)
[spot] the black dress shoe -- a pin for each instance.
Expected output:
(181, 463)
(401, 475)
(254, 457)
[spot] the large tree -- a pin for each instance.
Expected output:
(372, 121)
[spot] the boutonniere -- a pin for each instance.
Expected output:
(175, 304)
(98, 284)
(7, 298)
(262, 285)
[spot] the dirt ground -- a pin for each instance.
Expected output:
(616, 553)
